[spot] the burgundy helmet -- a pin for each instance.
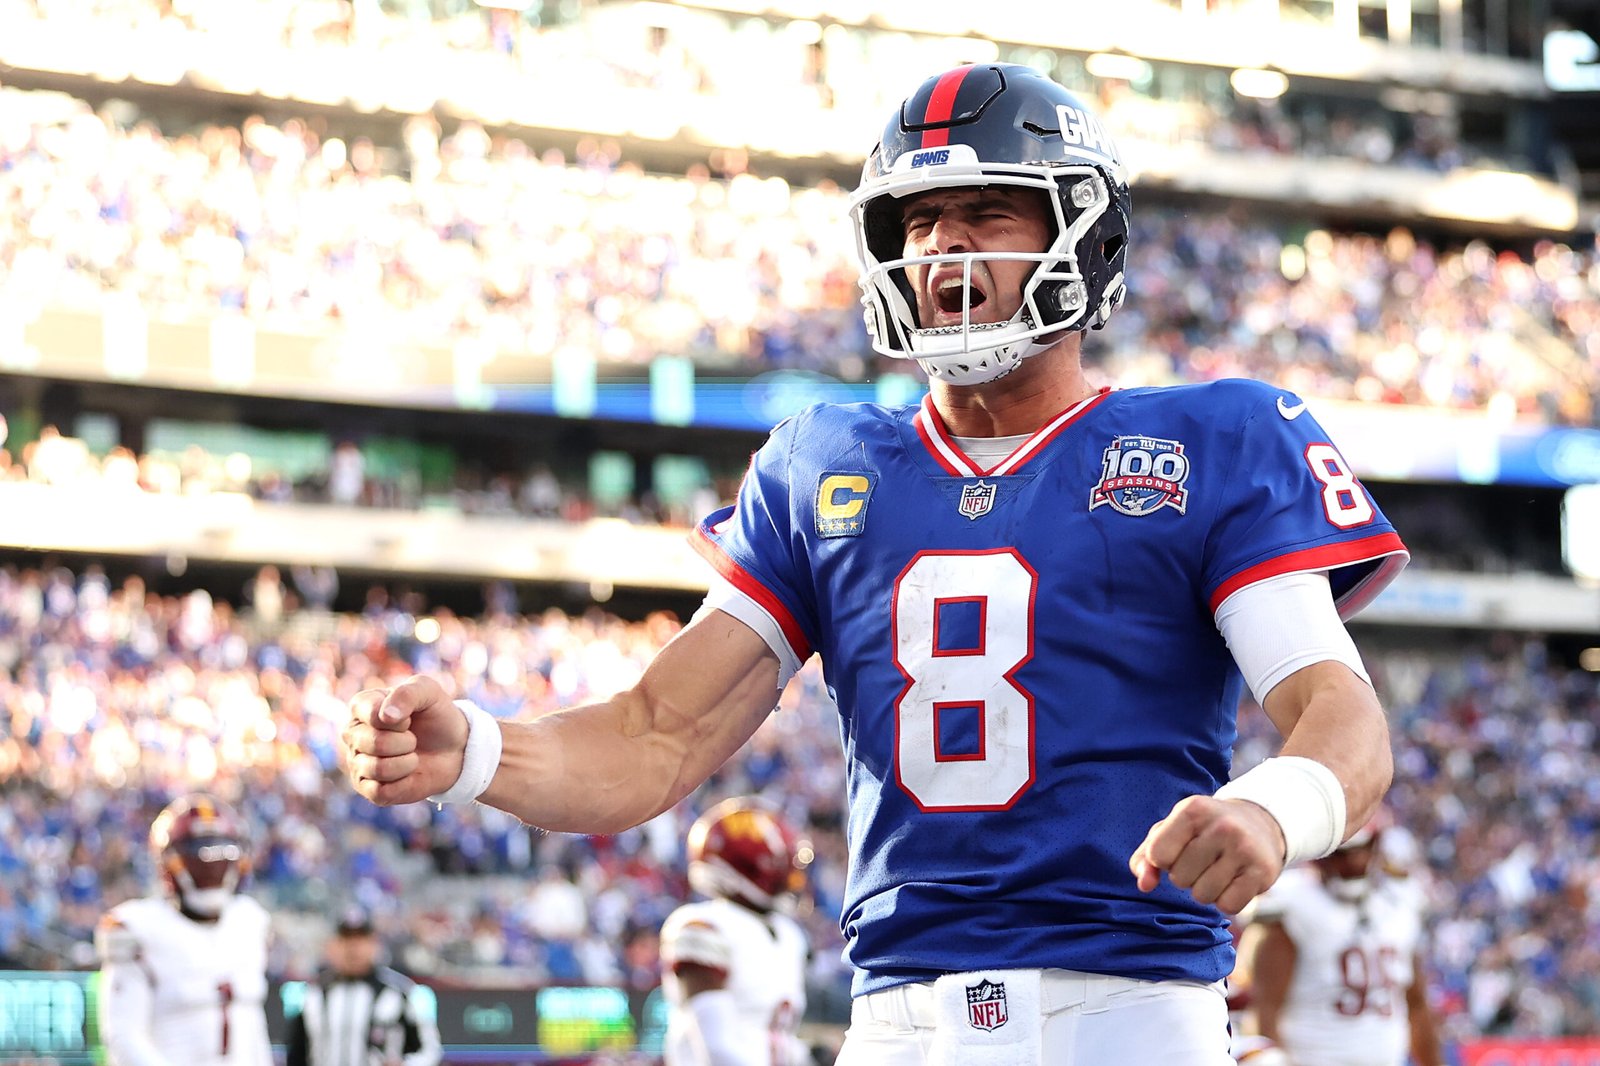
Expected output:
(741, 850)
(199, 845)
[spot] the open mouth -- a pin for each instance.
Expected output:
(950, 296)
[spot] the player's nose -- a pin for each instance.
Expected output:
(948, 236)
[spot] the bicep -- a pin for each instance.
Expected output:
(1277, 626)
(713, 683)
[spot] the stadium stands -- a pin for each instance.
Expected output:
(115, 697)
(583, 184)
(446, 237)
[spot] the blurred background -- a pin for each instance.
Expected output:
(346, 339)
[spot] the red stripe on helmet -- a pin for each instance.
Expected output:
(941, 102)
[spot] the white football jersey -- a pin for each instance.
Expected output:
(764, 957)
(176, 992)
(1353, 966)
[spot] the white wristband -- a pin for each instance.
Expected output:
(1304, 798)
(481, 758)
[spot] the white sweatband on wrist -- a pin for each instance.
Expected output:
(481, 758)
(1304, 798)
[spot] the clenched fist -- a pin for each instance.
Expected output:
(403, 744)
(1224, 851)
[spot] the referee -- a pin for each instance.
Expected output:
(358, 1013)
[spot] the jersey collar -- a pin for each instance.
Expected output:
(936, 437)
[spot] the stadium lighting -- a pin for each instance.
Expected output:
(1589, 659)
(1580, 531)
(1118, 67)
(1259, 84)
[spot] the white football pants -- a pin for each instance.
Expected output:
(1086, 1020)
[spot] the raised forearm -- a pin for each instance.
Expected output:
(1334, 717)
(607, 767)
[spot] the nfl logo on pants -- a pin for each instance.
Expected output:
(986, 1005)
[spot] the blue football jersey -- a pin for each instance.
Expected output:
(1025, 659)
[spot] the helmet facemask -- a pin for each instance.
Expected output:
(1054, 296)
(205, 873)
(198, 844)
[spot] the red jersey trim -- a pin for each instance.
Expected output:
(947, 453)
(1385, 546)
(741, 579)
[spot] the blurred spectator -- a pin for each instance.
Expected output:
(468, 235)
(347, 474)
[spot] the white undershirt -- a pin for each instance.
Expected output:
(986, 452)
(1273, 627)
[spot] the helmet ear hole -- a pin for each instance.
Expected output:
(1113, 246)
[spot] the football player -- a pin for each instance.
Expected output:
(734, 963)
(1336, 963)
(1037, 604)
(1248, 1044)
(183, 974)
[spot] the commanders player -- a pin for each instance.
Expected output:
(1336, 964)
(734, 963)
(183, 974)
(1036, 604)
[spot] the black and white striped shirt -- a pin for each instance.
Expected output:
(362, 1021)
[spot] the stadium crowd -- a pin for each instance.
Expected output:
(460, 234)
(342, 475)
(113, 698)
(706, 62)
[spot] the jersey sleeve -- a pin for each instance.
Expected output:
(126, 994)
(114, 942)
(694, 938)
(1291, 504)
(756, 547)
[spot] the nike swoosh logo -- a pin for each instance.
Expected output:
(1291, 413)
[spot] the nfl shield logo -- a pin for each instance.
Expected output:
(986, 1005)
(976, 499)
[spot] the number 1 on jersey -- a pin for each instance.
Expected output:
(963, 626)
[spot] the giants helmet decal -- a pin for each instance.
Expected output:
(198, 844)
(997, 124)
(742, 851)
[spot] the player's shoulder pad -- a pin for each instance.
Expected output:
(832, 427)
(692, 934)
(1244, 394)
(252, 908)
(114, 941)
(1223, 404)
